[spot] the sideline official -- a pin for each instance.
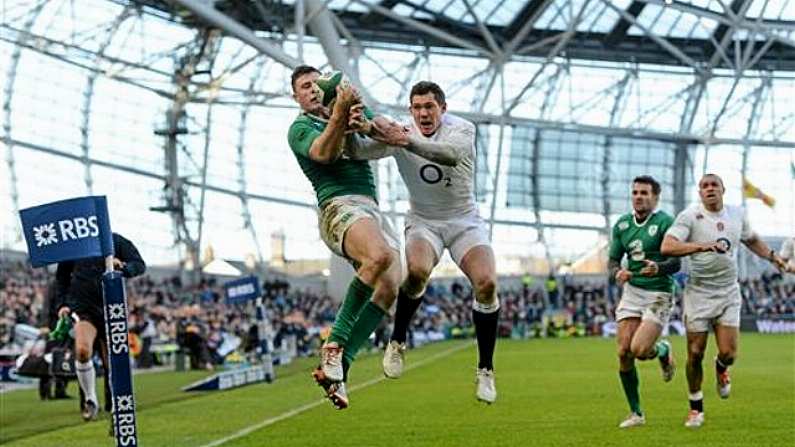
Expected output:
(80, 293)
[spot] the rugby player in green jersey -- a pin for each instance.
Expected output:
(349, 219)
(647, 297)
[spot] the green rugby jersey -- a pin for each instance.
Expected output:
(343, 177)
(641, 242)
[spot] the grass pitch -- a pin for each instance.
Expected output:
(551, 392)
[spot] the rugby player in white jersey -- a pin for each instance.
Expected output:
(437, 163)
(710, 233)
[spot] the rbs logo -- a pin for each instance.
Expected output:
(64, 230)
(243, 289)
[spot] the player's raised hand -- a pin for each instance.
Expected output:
(118, 264)
(390, 132)
(623, 276)
(781, 264)
(716, 247)
(64, 311)
(357, 121)
(651, 268)
(346, 97)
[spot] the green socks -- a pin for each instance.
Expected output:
(662, 349)
(630, 382)
(356, 320)
(358, 295)
(369, 318)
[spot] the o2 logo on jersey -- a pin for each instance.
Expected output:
(724, 245)
(432, 174)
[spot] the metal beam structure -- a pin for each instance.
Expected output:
(619, 30)
(682, 166)
(82, 57)
(662, 42)
(248, 223)
(252, 196)
(234, 28)
(88, 95)
(8, 93)
(322, 26)
(615, 118)
(739, 47)
(442, 31)
(174, 193)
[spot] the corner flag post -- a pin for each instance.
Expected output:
(75, 229)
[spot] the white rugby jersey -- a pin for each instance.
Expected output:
(437, 191)
(729, 225)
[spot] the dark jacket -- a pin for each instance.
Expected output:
(81, 280)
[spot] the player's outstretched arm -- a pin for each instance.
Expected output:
(672, 246)
(362, 148)
(447, 154)
(761, 249)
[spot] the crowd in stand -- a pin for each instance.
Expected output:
(768, 296)
(198, 320)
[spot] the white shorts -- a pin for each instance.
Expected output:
(704, 308)
(458, 234)
(340, 213)
(645, 304)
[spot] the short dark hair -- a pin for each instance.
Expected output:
(300, 71)
(425, 87)
(713, 175)
(649, 180)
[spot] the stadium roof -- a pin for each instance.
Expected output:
(699, 33)
(183, 125)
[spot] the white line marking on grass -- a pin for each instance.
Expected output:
(311, 405)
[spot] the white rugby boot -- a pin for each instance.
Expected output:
(331, 362)
(695, 419)
(487, 391)
(633, 420)
(394, 357)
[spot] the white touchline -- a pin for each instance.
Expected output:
(309, 406)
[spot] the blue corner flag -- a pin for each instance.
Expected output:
(67, 230)
(80, 228)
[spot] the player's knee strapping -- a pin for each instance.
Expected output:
(486, 308)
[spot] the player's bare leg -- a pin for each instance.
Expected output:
(379, 266)
(480, 267)
(627, 371)
(696, 344)
(85, 333)
(644, 346)
(726, 338)
(421, 259)
(364, 243)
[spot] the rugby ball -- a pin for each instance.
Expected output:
(326, 86)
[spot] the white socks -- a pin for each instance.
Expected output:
(87, 378)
